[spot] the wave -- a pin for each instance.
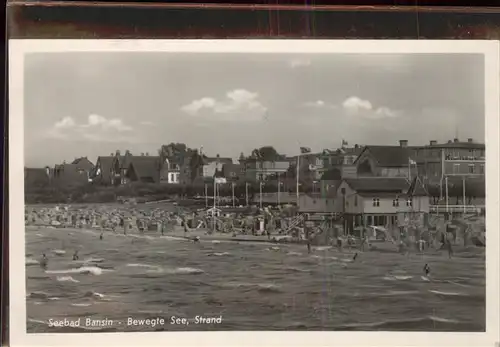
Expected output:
(94, 260)
(218, 254)
(84, 270)
(397, 278)
(81, 304)
(66, 279)
(294, 253)
(59, 252)
(38, 295)
(261, 287)
(296, 269)
(429, 323)
(185, 270)
(323, 248)
(447, 293)
(31, 262)
(92, 294)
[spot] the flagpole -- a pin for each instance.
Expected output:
(246, 192)
(215, 203)
(232, 190)
(298, 173)
(463, 192)
(409, 169)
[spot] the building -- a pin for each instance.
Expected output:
(342, 159)
(120, 167)
(386, 161)
(454, 158)
(382, 201)
(262, 170)
(213, 165)
(70, 175)
(83, 163)
(103, 172)
(233, 172)
(170, 171)
(145, 169)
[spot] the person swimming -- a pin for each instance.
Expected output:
(427, 270)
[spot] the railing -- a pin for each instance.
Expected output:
(455, 208)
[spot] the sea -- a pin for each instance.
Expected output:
(245, 285)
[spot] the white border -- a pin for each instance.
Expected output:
(18, 335)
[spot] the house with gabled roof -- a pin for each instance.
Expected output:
(382, 201)
(103, 172)
(145, 169)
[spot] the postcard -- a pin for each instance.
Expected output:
(254, 192)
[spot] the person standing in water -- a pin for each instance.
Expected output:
(427, 270)
(355, 256)
(44, 262)
(75, 255)
(101, 236)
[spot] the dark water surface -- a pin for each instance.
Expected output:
(252, 286)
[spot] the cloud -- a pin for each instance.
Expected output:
(355, 106)
(96, 128)
(148, 123)
(65, 123)
(298, 62)
(240, 102)
(320, 104)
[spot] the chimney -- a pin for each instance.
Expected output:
(356, 146)
(455, 140)
(112, 154)
(403, 143)
(147, 154)
(433, 142)
(127, 152)
(449, 141)
(142, 154)
(117, 152)
(470, 140)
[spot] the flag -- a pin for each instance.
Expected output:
(412, 162)
(304, 150)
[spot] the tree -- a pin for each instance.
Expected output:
(266, 153)
(195, 163)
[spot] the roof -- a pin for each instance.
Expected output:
(389, 156)
(232, 167)
(79, 160)
(124, 160)
(106, 163)
(332, 175)
(462, 144)
(209, 160)
(378, 184)
(146, 167)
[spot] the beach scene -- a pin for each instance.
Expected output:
(346, 193)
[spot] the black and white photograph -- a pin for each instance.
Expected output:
(265, 186)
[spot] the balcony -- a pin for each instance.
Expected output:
(455, 208)
(450, 157)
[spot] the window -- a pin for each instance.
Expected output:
(355, 200)
(456, 168)
(261, 177)
(472, 168)
(481, 169)
(376, 202)
(395, 202)
(409, 202)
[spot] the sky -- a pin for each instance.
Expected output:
(93, 103)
